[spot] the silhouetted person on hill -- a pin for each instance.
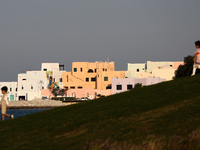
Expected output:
(196, 58)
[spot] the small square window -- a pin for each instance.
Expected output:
(75, 69)
(119, 87)
(87, 79)
(129, 86)
(105, 78)
(93, 79)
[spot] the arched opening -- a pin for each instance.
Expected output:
(90, 71)
(24, 79)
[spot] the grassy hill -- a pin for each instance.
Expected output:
(157, 115)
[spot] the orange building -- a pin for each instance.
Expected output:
(86, 75)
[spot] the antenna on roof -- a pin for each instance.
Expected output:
(107, 59)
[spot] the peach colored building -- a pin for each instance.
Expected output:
(86, 75)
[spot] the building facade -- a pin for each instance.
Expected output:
(164, 69)
(86, 75)
(121, 85)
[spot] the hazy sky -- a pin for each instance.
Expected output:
(66, 31)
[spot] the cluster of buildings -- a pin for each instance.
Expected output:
(88, 79)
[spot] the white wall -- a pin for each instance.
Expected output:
(132, 81)
(11, 89)
(133, 69)
(167, 74)
(154, 65)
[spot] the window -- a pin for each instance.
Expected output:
(10, 89)
(31, 87)
(45, 69)
(138, 70)
(60, 79)
(23, 79)
(87, 79)
(95, 70)
(119, 87)
(129, 86)
(42, 87)
(93, 79)
(105, 78)
(16, 89)
(90, 71)
(109, 86)
(81, 69)
(54, 79)
(72, 87)
(80, 87)
(22, 87)
(75, 69)
(105, 69)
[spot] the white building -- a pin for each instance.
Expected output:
(124, 84)
(12, 90)
(29, 84)
(165, 69)
(133, 69)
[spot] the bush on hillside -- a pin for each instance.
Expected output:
(186, 69)
(138, 85)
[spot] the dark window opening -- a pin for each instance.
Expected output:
(105, 78)
(103, 69)
(42, 87)
(54, 79)
(90, 71)
(22, 87)
(65, 87)
(75, 69)
(95, 70)
(138, 70)
(119, 87)
(81, 69)
(129, 86)
(22, 98)
(87, 79)
(72, 87)
(23, 79)
(45, 69)
(109, 86)
(10, 89)
(93, 79)
(80, 87)
(60, 79)
(170, 65)
(16, 89)
(31, 87)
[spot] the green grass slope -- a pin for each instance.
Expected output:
(165, 109)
